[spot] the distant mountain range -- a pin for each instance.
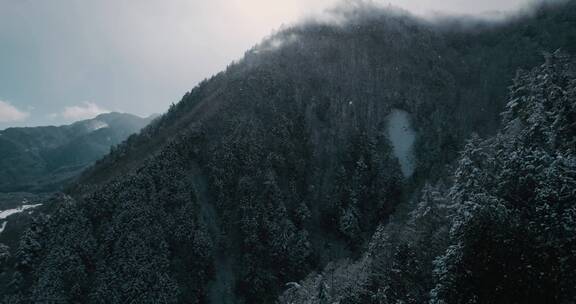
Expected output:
(41, 159)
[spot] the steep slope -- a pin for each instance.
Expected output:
(449, 73)
(42, 158)
(278, 165)
(501, 232)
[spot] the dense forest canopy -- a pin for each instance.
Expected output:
(279, 170)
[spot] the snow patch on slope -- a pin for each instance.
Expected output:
(97, 125)
(402, 136)
(6, 213)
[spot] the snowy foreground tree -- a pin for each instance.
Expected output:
(504, 232)
(513, 238)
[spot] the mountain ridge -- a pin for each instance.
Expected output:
(40, 154)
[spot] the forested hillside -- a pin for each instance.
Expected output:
(41, 159)
(499, 229)
(280, 170)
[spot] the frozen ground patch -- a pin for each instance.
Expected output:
(402, 136)
(6, 213)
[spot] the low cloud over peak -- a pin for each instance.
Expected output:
(79, 112)
(146, 54)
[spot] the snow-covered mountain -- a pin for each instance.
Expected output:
(345, 156)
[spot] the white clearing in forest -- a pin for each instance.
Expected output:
(402, 136)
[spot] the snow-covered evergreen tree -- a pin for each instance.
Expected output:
(512, 238)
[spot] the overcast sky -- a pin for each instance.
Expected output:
(65, 60)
